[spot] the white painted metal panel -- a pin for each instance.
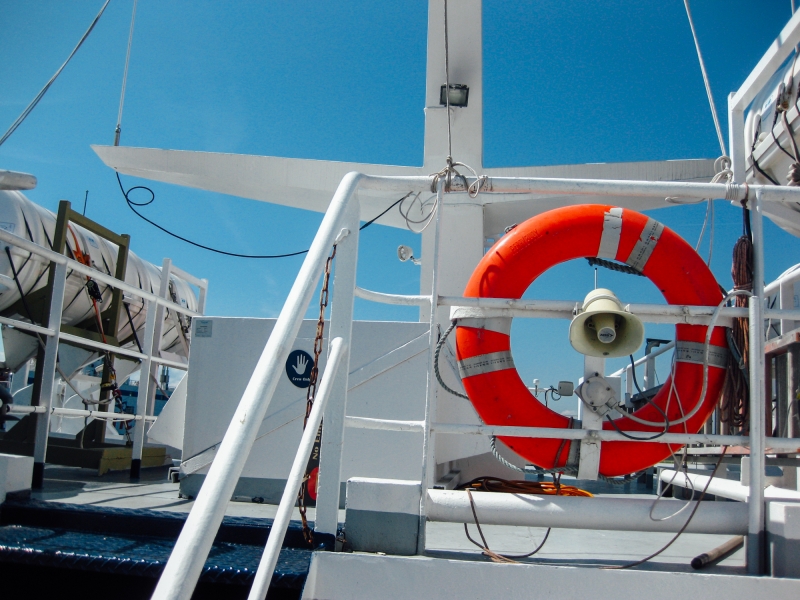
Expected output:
(220, 368)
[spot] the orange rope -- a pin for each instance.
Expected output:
(542, 488)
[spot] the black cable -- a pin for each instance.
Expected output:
(133, 328)
(639, 439)
(633, 372)
(746, 230)
(371, 221)
(753, 157)
(132, 204)
(21, 293)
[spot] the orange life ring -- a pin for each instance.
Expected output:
(516, 260)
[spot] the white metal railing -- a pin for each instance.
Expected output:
(76, 412)
(640, 361)
(397, 299)
(340, 224)
(461, 308)
(277, 533)
(60, 259)
(341, 219)
(775, 445)
(52, 335)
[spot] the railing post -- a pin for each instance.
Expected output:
(266, 566)
(756, 538)
(158, 331)
(48, 374)
(326, 521)
(185, 564)
(144, 389)
(428, 454)
(736, 141)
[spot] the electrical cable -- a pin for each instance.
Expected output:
(633, 373)
(757, 166)
(683, 528)
(46, 87)
(704, 388)
(665, 487)
(132, 204)
(499, 558)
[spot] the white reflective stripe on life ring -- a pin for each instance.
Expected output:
(612, 230)
(485, 363)
(645, 244)
(692, 352)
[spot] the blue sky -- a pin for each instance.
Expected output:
(564, 83)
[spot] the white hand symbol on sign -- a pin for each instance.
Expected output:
(300, 367)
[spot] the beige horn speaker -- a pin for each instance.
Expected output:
(603, 328)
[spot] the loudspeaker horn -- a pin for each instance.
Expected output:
(603, 328)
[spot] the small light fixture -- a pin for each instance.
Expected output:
(405, 253)
(459, 95)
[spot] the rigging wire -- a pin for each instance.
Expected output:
(132, 204)
(722, 170)
(447, 83)
(46, 87)
(118, 130)
(705, 80)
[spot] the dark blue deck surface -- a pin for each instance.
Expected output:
(138, 542)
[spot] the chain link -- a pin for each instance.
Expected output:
(311, 391)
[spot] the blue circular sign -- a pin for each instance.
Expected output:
(298, 368)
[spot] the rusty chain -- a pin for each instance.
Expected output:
(311, 391)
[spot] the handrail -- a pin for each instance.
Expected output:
(383, 424)
(188, 557)
(629, 188)
(76, 412)
(787, 445)
(183, 568)
(398, 299)
(110, 280)
(461, 308)
(76, 339)
(640, 361)
(27, 326)
(781, 445)
(790, 278)
(277, 533)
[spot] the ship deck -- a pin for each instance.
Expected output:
(564, 546)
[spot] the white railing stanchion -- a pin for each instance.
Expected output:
(339, 351)
(48, 374)
(185, 564)
(756, 536)
(326, 520)
(144, 388)
(655, 353)
(155, 348)
(428, 458)
(396, 299)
